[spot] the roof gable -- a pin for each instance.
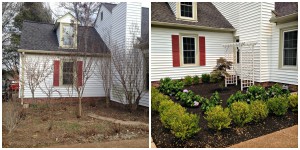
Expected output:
(67, 18)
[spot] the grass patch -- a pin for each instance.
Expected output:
(69, 126)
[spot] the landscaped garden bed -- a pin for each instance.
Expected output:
(259, 115)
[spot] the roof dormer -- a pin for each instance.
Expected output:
(66, 28)
(186, 11)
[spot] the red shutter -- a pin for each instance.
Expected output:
(202, 50)
(79, 73)
(175, 50)
(56, 73)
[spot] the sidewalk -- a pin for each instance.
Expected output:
(285, 138)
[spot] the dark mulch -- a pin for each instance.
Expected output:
(162, 137)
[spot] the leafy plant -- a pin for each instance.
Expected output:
(293, 102)
(238, 96)
(196, 79)
(156, 99)
(276, 91)
(218, 118)
(165, 105)
(205, 78)
(170, 87)
(278, 105)
(219, 72)
(240, 113)
(212, 102)
(259, 110)
(170, 111)
(188, 80)
(257, 92)
(188, 98)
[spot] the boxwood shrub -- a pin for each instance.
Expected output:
(196, 79)
(293, 102)
(170, 87)
(205, 78)
(188, 80)
(218, 118)
(278, 105)
(240, 113)
(259, 110)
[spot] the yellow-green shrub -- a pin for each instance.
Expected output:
(240, 113)
(218, 118)
(259, 110)
(293, 102)
(170, 111)
(157, 98)
(278, 105)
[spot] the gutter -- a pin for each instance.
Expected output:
(284, 19)
(189, 27)
(60, 52)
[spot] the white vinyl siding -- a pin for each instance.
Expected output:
(103, 27)
(173, 7)
(161, 53)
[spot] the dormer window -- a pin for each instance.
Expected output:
(187, 11)
(101, 16)
(68, 35)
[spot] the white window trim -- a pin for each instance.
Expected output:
(196, 51)
(62, 72)
(194, 9)
(288, 67)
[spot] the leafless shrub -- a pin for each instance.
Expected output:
(12, 114)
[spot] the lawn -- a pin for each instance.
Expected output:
(206, 137)
(54, 125)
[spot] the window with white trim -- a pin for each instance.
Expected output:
(189, 50)
(186, 9)
(290, 48)
(68, 73)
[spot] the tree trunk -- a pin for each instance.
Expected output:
(107, 101)
(79, 108)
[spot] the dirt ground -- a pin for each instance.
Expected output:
(55, 125)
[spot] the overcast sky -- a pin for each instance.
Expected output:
(61, 11)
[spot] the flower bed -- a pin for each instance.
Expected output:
(241, 116)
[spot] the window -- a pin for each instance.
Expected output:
(101, 16)
(189, 50)
(186, 9)
(68, 73)
(68, 35)
(237, 52)
(290, 48)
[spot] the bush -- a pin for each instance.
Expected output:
(240, 113)
(170, 87)
(170, 111)
(278, 105)
(185, 126)
(257, 92)
(259, 110)
(188, 80)
(293, 102)
(212, 102)
(166, 104)
(238, 96)
(156, 99)
(205, 78)
(277, 91)
(196, 79)
(188, 98)
(218, 118)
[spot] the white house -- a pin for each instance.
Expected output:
(188, 37)
(53, 44)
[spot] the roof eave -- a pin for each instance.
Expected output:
(189, 27)
(61, 52)
(285, 19)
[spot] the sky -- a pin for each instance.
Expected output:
(61, 11)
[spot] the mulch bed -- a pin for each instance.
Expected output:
(227, 137)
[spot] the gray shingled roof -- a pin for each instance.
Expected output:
(109, 6)
(40, 36)
(285, 8)
(208, 15)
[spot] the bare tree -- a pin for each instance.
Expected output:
(129, 71)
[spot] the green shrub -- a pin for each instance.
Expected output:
(163, 105)
(278, 105)
(196, 79)
(170, 87)
(277, 91)
(218, 118)
(157, 98)
(257, 92)
(185, 126)
(240, 113)
(238, 96)
(212, 102)
(188, 80)
(187, 98)
(293, 102)
(259, 110)
(169, 112)
(205, 78)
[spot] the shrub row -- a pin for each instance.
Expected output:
(189, 80)
(173, 116)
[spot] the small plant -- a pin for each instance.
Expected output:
(240, 113)
(212, 102)
(196, 79)
(293, 102)
(205, 78)
(257, 92)
(188, 80)
(219, 73)
(165, 105)
(277, 91)
(218, 118)
(259, 110)
(156, 99)
(188, 98)
(278, 105)
(238, 96)
(170, 87)
(170, 111)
